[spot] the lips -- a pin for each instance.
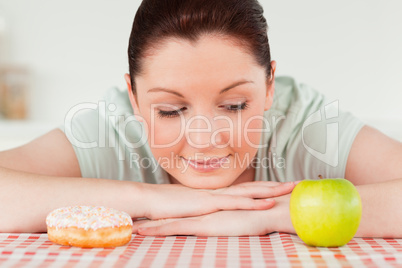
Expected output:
(209, 165)
(210, 161)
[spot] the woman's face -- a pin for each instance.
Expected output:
(200, 102)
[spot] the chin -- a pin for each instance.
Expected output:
(206, 183)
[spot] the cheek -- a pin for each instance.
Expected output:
(251, 131)
(250, 128)
(164, 136)
(161, 131)
(165, 131)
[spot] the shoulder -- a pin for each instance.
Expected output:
(118, 102)
(292, 96)
(109, 142)
(308, 132)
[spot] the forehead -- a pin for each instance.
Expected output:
(210, 58)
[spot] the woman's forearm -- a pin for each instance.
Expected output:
(26, 199)
(381, 214)
(382, 211)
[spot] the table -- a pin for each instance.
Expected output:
(275, 249)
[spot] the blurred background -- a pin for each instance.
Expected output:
(56, 54)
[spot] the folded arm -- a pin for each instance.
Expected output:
(374, 166)
(44, 175)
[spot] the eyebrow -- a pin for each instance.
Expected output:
(238, 83)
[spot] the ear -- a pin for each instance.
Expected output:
(270, 87)
(133, 99)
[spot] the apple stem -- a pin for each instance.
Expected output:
(319, 176)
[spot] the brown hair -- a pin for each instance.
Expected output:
(157, 20)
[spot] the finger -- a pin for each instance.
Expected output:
(260, 183)
(157, 223)
(275, 191)
(136, 224)
(232, 202)
(227, 190)
(260, 191)
(178, 227)
(154, 223)
(193, 226)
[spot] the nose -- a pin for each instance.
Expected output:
(206, 132)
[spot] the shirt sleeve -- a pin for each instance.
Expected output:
(109, 142)
(313, 138)
(323, 143)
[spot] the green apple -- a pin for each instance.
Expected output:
(325, 212)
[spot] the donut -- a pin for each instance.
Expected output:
(89, 226)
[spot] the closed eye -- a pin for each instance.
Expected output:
(175, 113)
(237, 107)
(168, 114)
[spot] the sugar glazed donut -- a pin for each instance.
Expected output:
(89, 226)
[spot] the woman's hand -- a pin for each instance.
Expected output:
(223, 223)
(178, 201)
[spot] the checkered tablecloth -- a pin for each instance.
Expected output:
(276, 249)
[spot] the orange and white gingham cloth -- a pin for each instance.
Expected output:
(276, 249)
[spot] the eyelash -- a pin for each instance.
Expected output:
(170, 114)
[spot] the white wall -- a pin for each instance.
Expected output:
(348, 49)
(74, 49)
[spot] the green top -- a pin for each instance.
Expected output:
(306, 136)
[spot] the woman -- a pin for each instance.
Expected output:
(217, 137)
